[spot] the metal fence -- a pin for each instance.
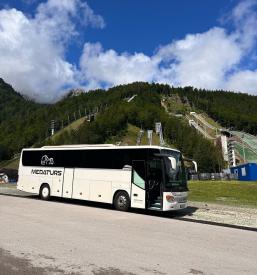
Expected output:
(213, 176)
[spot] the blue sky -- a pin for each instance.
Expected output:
(142, 25)
(50, 46)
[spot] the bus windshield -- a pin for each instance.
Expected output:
(175, 176)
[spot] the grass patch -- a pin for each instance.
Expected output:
(155, 139)
(10, 164)
(9, 185)
(130, 137)
(73, 126)
(211, 121)
(235, 193)
(173, 104)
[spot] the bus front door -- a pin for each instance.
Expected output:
(138, 184)
(155, 184)
(67, 182)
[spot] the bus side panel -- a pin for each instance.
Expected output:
(31, 179)
(56, 183)
(92, 184)
(81, 184)
(68, 182)
(28, 182)
(100, 184)
(121, 180)
(101, 191)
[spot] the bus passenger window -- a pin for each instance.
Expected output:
(137, 180)
(138, 174)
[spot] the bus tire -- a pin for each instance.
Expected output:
(121, 201)
(44, 192)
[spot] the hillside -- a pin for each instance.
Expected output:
(130, 135)
(231, 110)
(12, 104)
(238, 107)
(118, 118)
(73, 126)
(113, 124)
(16, 114)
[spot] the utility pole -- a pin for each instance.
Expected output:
(52, 126)
(158, 130)
(150, 136)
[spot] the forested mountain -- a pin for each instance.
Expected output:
(24, 123)
(232, 110)
(143, 112)
(12, 104)
(14, 111)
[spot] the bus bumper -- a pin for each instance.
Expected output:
(179, 201)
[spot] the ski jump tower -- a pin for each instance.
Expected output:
(158, 130)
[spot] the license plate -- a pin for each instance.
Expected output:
(182, 205)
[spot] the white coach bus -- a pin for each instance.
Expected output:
(147, 177)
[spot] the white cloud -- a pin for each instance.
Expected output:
(243, 81)
(205, 60)
(100, 66)
(32, 50)
(201, 60)
(33, 53)
(244, 17)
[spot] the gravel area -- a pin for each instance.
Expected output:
(240, 216)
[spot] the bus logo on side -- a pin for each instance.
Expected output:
(45, 160)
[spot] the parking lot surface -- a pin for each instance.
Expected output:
(56, 237)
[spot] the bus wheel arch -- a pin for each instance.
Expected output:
(121, 200)
(44, 191)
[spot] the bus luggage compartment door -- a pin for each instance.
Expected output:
(67, 182)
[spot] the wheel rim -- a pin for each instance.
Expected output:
(45, 192)
(122, 201)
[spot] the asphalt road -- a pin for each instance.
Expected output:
(57, 237)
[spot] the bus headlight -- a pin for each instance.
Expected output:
(170, 198)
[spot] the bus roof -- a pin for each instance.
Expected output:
(98, 146)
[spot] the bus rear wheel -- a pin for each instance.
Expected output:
(44, 192)
(121, 201)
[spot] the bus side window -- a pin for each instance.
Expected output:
(138, 174)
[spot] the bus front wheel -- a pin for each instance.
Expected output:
(121, 201)
(44, 192)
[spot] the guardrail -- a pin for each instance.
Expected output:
(213, 176)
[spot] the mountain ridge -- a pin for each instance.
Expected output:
(27, 123)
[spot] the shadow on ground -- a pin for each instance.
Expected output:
(170, 214)
(183, 215)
